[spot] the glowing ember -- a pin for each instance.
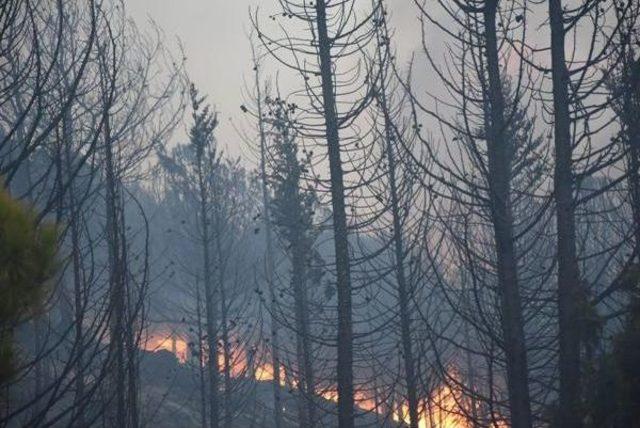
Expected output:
(264, 373)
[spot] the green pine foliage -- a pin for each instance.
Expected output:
(27, 262)
(293, 205)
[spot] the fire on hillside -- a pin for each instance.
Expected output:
(445, 408)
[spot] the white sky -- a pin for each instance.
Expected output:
(214, 36)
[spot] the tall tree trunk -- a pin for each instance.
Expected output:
(471, 380)
(266, 203)
(203, 392)
(569, 288)
(116, 285)
(210, 295)
(306, 379)
(129, 328)
(631, 135)
(226, 346)
(78, 291)
(633, 171)
(78, 286)
(343, 275)
(403, 294)
(500, 154)
(220, 287)
(398, 247)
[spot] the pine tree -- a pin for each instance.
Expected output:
(292, 209)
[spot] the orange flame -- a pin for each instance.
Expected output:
(264, 373)
(444, 409)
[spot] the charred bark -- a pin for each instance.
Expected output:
(569, 289)
(500, 153)
(343, 275)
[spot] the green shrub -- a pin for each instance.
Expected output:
(27, 262)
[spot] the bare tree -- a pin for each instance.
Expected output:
(338, 33)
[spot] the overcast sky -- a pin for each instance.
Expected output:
(214, 36)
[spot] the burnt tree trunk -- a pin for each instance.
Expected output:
(201, 368)
(78, 280)
(226, 347)
(266, 203)
(569, 288)
(403, 292)
(500, 152)
(116, 284)
(210, 296)
(343, 276)
(303, 343)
